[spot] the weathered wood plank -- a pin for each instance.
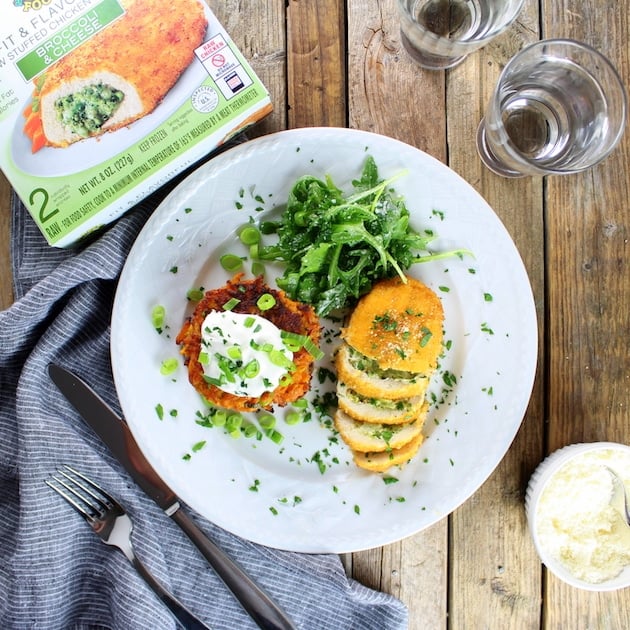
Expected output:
(258, 29)
(316, 66)
(495, 582)
(589, 302)
(387, 92)
(390, 95)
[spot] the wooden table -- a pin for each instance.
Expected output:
(334, 63)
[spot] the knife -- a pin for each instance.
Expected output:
(115, 433)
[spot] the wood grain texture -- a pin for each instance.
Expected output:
(258, 29)
(387, 92)
(341, 63)
(495, 582)
(588, 227)
(316, 63)
(390, 95)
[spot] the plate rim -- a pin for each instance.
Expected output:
(315, 132)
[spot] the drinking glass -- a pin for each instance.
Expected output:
(559, 107)
(438, 34)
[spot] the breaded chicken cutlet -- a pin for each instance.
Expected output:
(122, 73)
(286, 314)
(389, 352)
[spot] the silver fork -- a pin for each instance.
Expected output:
(111, 523)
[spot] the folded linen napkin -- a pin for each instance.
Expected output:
(54, 572)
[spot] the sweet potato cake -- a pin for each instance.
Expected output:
(244, 297)
(122, 73)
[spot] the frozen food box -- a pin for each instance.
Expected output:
(103, 101)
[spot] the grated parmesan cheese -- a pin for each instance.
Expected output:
(576, 523)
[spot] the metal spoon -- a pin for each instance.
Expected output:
(619, 498)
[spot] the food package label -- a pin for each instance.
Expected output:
(104, 101)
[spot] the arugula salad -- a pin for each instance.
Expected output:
(334, 247)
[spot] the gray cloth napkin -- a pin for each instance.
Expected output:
(54, 572)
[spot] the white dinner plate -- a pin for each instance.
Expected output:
(305, 494)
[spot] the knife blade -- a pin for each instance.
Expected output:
(115, 433)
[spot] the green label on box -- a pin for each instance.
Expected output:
(69, 38)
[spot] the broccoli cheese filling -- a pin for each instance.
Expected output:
(86, 111)
(380, 403)
(370, 367)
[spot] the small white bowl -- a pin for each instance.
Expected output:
(540, 481)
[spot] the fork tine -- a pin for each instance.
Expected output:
(109, 499)
(82, 493)
(89, 487)
(69, 497)
(113, 526)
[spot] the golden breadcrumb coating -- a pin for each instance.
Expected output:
(369, 437)
(399, 325)
(382, 461)
(149, 47)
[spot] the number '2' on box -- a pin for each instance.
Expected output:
(104, 101)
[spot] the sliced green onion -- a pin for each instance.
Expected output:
(277, 357)
(293, 417)
(194, 295)
(249, 429)
(220, 417)
(225, 367)
(249, 235)
(233, 422)
(168, 366)
(258, 268)
(292, 341)
(158, 315)
(266, 301)
(267, 422)
(312, 349)
(275, 436)
(230, 304)
(252, 369)
(234, 352)
(286, 380)
(231, 262)
(203, 358)
(249, 321)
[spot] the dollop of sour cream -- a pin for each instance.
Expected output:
(243, 354)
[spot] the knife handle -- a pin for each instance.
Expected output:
(261, 608)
